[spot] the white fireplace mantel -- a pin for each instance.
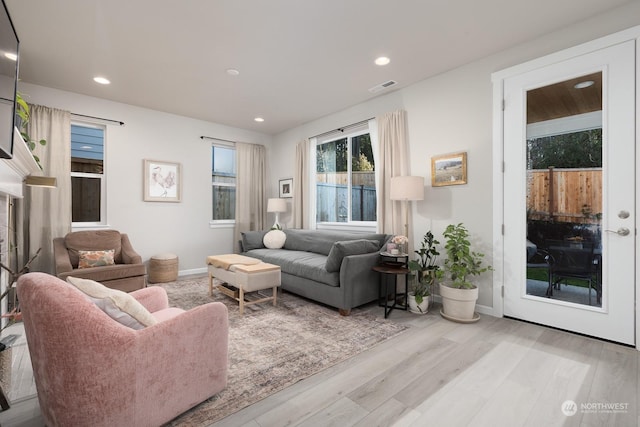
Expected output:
(13, 171)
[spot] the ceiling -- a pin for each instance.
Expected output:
(565, 99)
(299, 60)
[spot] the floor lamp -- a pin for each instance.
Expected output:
(276, 206)
(407, 188)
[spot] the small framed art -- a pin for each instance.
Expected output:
(286, 188)
(449, 169)
(162, 181)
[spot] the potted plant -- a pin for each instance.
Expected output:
(458, 294)
(425, 270)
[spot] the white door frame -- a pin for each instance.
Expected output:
(498, 154)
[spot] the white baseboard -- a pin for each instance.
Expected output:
(202, 270)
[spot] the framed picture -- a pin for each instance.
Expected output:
(162, 181)
(449, 169)
(286, 188)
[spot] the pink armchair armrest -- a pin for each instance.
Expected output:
(153, 298)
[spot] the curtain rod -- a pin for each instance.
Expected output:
(217, 139)
(341, 129)
(81, 115)
(98, 118)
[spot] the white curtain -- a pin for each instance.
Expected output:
(394, 161)
(47, 211)
(303, 190)
(251, 178)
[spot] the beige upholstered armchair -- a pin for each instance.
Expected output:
(105, 256)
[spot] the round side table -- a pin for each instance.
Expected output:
(388, 274)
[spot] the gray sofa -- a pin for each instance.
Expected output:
(333, 268)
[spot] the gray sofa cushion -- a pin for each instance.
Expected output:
(349, 247)
(321, 241)
(299, 263)
(253, 239)
(309, 241)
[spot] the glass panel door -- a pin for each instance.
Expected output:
(569, 194)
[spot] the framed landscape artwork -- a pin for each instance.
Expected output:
(286, 188)
(162, 181)
(449, 169)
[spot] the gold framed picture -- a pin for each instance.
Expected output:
(449, 169)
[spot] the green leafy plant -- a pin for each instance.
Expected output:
(24, 113)
(461, 261)
(425, 267)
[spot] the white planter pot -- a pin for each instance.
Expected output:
(458, 304)
(423, 308)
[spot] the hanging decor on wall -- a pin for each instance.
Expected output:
(286, 188)
(162, 181)
(449, 169)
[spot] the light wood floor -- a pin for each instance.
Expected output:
(497, 372)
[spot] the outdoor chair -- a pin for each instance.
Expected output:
(571, 260)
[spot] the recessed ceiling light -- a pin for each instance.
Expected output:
(86, 147)
(11, 56)
(101, 80)
(259, 119)
(584, 84)
(233, 72)
(383, 60)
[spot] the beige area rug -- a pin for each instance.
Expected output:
(271, 348)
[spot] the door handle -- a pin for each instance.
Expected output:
(622, 231)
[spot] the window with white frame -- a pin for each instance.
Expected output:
(223, 183)
(88, 205)
(345, 178)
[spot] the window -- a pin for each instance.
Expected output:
(223, 183)
(345, 178)
(87, 175)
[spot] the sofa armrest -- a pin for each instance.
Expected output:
(358, 278)
(129, 255)
(153, 298)
(61, 256)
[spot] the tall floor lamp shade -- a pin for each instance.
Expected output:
(406, 189)
(276, 206)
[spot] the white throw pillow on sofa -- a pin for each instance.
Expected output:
(274, 239)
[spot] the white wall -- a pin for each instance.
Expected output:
(156, 227)
(453, 112)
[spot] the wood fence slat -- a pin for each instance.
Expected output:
(575, 194)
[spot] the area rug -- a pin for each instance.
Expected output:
(271, 348)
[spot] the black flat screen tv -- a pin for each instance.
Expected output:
(8, 81)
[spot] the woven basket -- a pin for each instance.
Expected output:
(163, 268)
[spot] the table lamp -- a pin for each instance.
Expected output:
(276, 206)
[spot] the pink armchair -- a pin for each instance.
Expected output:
(91, 370)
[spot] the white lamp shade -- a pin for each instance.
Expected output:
(276, 205)
(407, 188)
